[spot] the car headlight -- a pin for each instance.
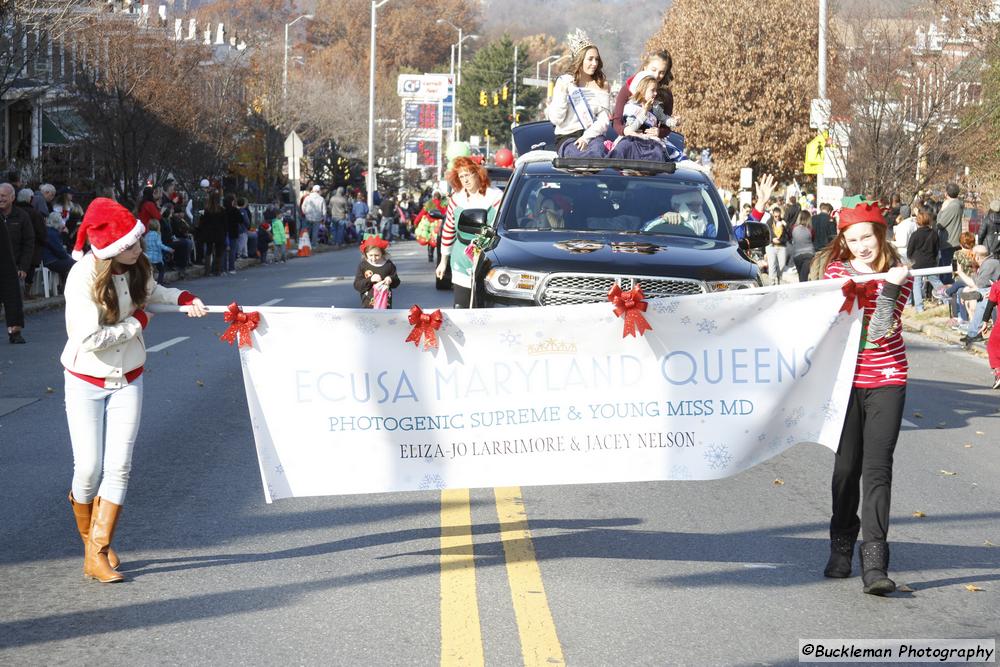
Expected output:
(513, 283)
(727, 285)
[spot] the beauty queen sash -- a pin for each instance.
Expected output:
(581, 108)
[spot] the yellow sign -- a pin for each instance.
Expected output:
(815, 151)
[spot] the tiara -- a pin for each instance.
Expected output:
(578, 41)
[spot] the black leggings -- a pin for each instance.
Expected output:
(462, 296)
(871, 429)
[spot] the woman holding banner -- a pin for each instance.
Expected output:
(863, 465)
(103, 359)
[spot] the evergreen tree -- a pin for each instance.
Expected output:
(489, 71)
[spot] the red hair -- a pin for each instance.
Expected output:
(473, 166)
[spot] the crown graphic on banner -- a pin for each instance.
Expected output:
(552, 346)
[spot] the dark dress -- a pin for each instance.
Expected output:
(363, 283)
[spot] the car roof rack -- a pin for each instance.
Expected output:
(584, 163)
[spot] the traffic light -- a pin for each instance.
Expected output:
(503, 92)
(551, 87)
(482, 98)
(496, 98)
(486, 133)
(517, 117)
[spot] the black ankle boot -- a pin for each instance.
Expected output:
(874, 564)
(841, 554)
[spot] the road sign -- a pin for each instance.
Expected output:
(815, 155)
(428, 86)
(537, 83)
(294, 151)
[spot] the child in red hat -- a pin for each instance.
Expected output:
(103, 359)
(376, 272)
(863, 465)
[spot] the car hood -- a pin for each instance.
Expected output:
(621, 254)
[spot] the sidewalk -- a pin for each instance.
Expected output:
(194, 271)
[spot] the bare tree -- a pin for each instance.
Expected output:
(27, 30)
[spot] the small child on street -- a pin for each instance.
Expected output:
(155, 249)
(263, 240)
(375, 273)
(279, 237)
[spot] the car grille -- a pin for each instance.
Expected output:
(566, 288)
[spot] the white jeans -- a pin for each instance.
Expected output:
(103, 424)
(777, 255)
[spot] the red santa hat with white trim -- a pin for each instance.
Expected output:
(109, 227)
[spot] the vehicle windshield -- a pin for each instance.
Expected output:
(618, 203)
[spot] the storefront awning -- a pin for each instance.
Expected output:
(62, 126)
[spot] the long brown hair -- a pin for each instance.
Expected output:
(888, 256)
(576, 67)
(103, 291)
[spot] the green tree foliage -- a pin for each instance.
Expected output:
(489, 71)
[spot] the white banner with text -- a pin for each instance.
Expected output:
(341, 404)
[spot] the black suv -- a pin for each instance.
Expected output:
(570, 228)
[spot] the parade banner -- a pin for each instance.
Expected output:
(359, 401)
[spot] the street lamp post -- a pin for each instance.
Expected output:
(370, 181)
(284, 70)
(538, 65)
(454, 103)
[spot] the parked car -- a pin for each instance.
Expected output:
(569, 229)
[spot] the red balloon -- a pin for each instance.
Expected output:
(503, 158)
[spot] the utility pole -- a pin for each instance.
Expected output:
(822, 79)
(513, 112)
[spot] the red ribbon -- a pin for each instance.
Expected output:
(630, 306)
(424, 326)
(241, 324)
(862, 293)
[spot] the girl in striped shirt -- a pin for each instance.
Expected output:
(863, 465)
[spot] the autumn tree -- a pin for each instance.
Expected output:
(744, 75)
(489, 72)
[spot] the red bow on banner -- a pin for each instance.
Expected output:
(630, 306)
(241, 324)
(863, 293)
(424, 326)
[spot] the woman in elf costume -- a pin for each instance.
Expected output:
(426, 227)
(471, 186)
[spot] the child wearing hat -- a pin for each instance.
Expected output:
(375, 272)
(104, 355)
(863, 464)
(643, 117)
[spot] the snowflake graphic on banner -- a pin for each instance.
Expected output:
(509, 338)
(480, 320)
(829, 410)
(794, 418)
(665, 306)
(326, 316)
(679, 472)
(718, 457)
(707, 326)
(432, 482)
(685, 320)
(366, 325)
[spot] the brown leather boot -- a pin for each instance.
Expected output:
(81, 513)
(102, 529)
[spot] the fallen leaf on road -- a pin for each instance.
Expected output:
(987, 543)
(199, 383)
(903, 588)
(778, 482)
(49, 390)
(972, 588)
(918, 415)
(948, 473)
(919, 514)
(968, 446)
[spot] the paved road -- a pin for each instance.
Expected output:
(691, 573)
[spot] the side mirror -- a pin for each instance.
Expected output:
(436, 214)
(757, 235)
(472, 221)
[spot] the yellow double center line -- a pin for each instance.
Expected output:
(461, 633)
